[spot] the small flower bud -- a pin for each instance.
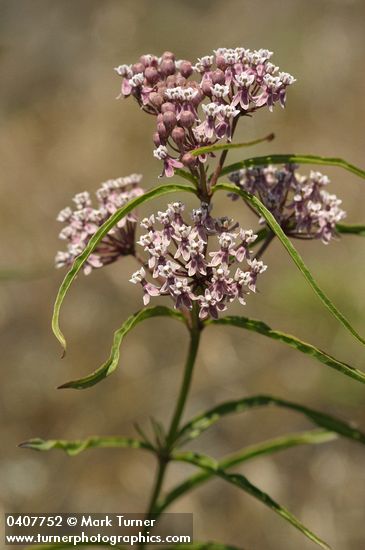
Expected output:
(171, 81)
(220, 62)
(188, 160)
(159, 118)
(156, 139)
(206, 87)
(178, 135)
(168, 55)
(167, 67)
(186, 68)
(138, 68)
(218, 77)
(156, 99)
(198, 98)
(187, 119)
(151, 75)
(169, 120)
(180, 81)
(148, 60)
(162, 131)
(167, 106)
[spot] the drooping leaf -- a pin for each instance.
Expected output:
(73, 448)
(293, 159)
(238, 480)
(311, 437)
(203, 421)
(96, 238)
(294, 254)
(112, 363)
(354, 229)
(225, 146)
(262, 328)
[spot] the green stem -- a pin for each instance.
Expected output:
(164, 456)
(189, 366)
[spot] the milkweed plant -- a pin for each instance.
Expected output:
(201, 263)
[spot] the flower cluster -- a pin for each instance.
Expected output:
(193, 113)
(299, 203)
(84, 220)
(183, 267)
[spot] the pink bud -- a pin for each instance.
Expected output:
(198, 98)
(171, 81)
(151, 75)
(188, 160)
(156, 139)
(162, 131)
(169, 120)
(178, 135)
(167, 67)
(218, 77)
(168, 55)
(167, 106)
(156, 99)
(187, 119)
(138, 68)
(220, 62)
(186, 68)
(180, 81)
(207, 87)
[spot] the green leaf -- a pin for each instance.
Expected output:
(224, 146)
(73, 448)
(262, 328)
(273, 224)
(96, 238)
(186, 175)
(293, 159)
(202, 422)
(351, 229)
(112, 363)
(210, 465)
(312, 437)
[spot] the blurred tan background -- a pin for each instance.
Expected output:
(62, 131)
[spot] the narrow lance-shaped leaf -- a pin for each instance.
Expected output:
(262, 328)
(202, 422)
(225, 146)
(96, 238)
(311, 437)
(293, 159)
(290, 248)
(342, 228)
(354, 229)
(112, 363)
(186, 175)
(75, 447)
(209, 464)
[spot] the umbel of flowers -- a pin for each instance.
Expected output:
(185, 270)
(199, 104)
(83, 221)
(300, 203)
